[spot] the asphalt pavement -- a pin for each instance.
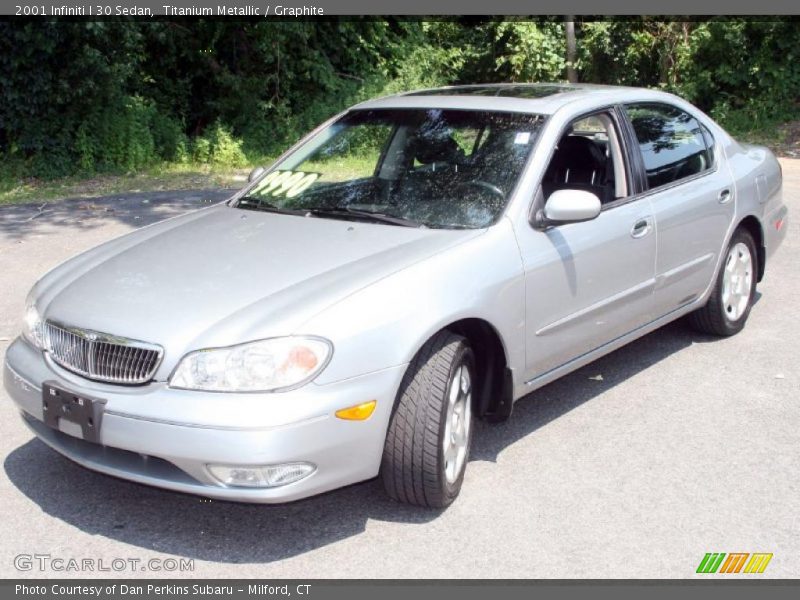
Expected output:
(634, 466)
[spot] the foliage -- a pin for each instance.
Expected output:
(218, 146)
(530, 51)
(83, 97)
(746, 73)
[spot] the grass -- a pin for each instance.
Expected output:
(782, 139)
(773, 137)
(163, 177)
(167, 176)
(342, 168)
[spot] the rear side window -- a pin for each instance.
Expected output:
(672, 143)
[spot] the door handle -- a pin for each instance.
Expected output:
(641, 228)
(725, 196)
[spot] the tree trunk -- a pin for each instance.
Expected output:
(572, 74)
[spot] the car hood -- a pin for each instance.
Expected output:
(222, 276)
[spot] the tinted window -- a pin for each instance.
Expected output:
(671, 141)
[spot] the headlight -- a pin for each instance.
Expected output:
(33, 329)
(263, 366)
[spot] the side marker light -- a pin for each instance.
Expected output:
(359, 412)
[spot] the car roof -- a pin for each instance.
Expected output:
(541, 98)
(511, 90)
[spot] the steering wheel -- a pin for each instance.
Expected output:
(485, 185)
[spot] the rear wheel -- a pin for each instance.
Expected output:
(427, 445)
(729, 304)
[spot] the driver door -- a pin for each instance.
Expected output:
(587, 283)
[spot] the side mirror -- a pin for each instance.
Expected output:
(255, 174)
(571, 206)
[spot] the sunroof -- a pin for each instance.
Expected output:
(511, 91)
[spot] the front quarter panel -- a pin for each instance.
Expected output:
(385, 324)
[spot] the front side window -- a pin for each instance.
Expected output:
(671, 141)
(588, 157)
(426, 167)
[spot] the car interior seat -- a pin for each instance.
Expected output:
(579, 163)
(437, 149)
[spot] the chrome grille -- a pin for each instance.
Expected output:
(102, 356)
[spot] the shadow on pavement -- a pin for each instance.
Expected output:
(558, 398)
(18, 221)
(194, 527)
(235, 533)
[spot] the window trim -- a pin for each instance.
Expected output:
(646, 190)
(712, 149)
(632, 152)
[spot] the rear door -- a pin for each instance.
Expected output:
(692, 199)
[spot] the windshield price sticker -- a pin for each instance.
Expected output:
(522, 137)
(284, 183)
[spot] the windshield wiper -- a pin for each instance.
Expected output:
(252, 203)
(345, 211)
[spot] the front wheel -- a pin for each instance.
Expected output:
(427, 444)
(732, 297)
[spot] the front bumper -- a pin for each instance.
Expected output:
(164, 437)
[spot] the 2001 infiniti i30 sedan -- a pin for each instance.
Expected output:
(415, 263)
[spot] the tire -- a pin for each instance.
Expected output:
(730, 302)
(415, 467)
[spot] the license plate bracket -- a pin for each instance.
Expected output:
(86, 412)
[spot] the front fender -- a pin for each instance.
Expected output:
(385, 324)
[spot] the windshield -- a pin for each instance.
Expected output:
(420, 167)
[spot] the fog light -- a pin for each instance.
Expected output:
(266, 476)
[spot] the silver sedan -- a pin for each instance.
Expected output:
(415, 263)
